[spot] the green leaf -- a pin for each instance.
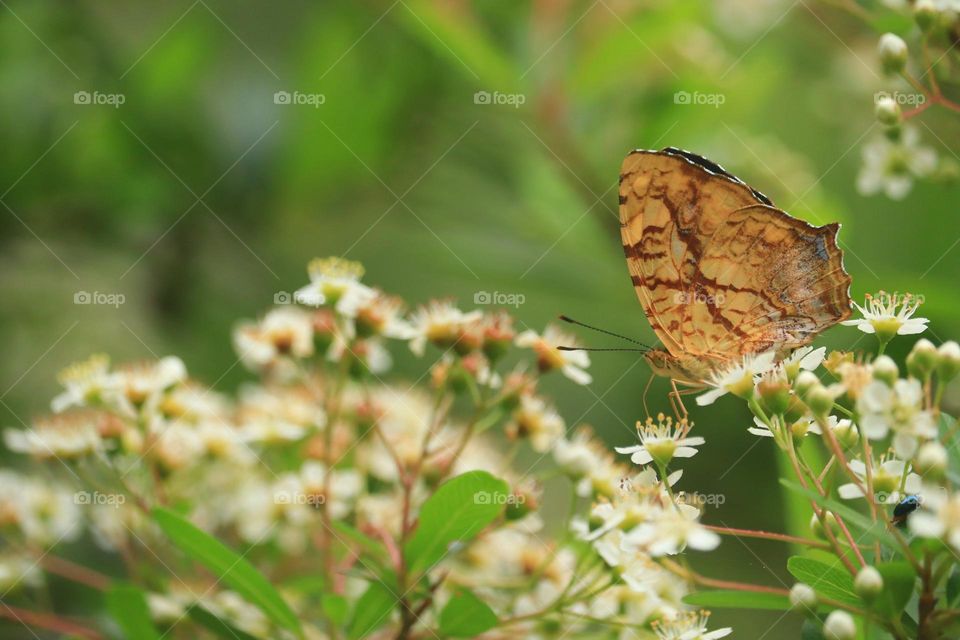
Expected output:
(335, 607)
(870, 530)
(899, 581)
(831, 581)
(953, 587)
(458, 511)
(723, 599)
(466, 616)
(216, 625)
(128, 606)
(230, 567)
(371, 611)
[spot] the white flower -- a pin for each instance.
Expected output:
(688, 626)
(440, 323)
(141, 383)
(883, 409)
(671, 530)
(888, 315)
(283, 332)
(738, 378)
(572, 364)
(335, 281)
(938, 517)
(804, 358)
(806, 426)
(578, 455)
(382, 315)
(64, 435)
(536, 421)
(85, 383)
(661, 441)
(891, 166)
(887, 478)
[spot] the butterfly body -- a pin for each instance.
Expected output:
(720, 272)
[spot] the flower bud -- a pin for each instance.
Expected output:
(805, 381)
(949, 361)
(926, 14)
(774, 395)
(885, 369)
(839, 626)
(893, 53)
(820, 401)
(816, 527)
(846, 434)
(868, 584)
(795, 410)
(922, 360)
(887, 111)
(931, 461)
(803, 598)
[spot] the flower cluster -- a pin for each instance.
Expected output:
(335, 478)
(883, 476)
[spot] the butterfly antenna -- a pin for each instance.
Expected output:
(598, 329)
(644, 350)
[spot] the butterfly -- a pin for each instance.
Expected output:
(720, 271)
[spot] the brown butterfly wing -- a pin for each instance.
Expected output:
(671, 202)
(720, 271)
(776, 282)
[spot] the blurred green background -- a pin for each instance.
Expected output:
(200, 197)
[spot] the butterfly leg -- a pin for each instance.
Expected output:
(676, 403)
(646, 391)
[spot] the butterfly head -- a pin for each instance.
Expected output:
(689, 369)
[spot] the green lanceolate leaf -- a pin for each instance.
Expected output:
(458, 511)
(128, 606)
(230, 567)
(869, 530)
(371, 611)
(830, 581)
(466, 616)
(724, 599)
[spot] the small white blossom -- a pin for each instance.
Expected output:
(335, 281)
(738, 378)
(887, 479)
(891, 166)
(888, 315)
(662, 441)
(572, 364)
(898, 409)
(688, 626)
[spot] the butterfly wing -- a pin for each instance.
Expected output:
(719, 271)
(777, 281)
(671, 202)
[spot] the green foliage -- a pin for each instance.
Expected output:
(371, 611)
(728, 599)
(228, 566)
(465, 616)
(459, 510)
(128, 606)
(829, 580)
